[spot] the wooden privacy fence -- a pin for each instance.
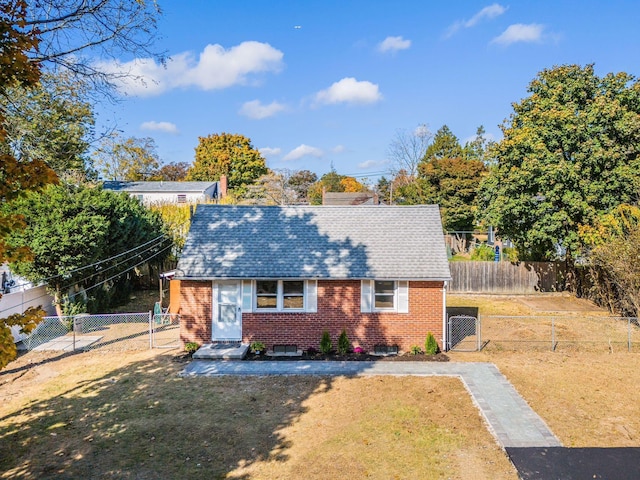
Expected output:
(506, 277)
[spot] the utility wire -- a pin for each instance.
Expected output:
(96, 263)
(110, 278)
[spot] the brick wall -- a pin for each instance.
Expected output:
(195, 311)
(338, 308)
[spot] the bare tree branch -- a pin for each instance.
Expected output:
(407, 149)
(74, 35)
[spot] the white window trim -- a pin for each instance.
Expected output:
(280, 298)
(395, 297)
(400, 297)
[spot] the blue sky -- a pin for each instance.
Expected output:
(316, 83)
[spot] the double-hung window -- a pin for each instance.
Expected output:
(384, 292)
(266, 294)
(384, 296)
(280, 295)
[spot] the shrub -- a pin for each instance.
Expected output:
(483, 253)
(416, 350)
(343, 343)
(358, 350)
(191, 347)
(511, 254)
(430, 345)
(325, 343)
(312, 351)
(257, 347)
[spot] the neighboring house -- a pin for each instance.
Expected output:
(282, 275)
(151, 193)
(18, 295)
(349, 198)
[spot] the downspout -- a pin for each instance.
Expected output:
(445, 342)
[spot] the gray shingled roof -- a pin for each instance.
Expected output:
(392, 242)
(157, 187)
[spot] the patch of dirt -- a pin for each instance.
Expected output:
(565, 303)
(352, 357)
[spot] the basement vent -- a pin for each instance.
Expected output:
(385, 349)
(285, 348)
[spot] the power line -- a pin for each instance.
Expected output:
(96, 263)
(104, 281)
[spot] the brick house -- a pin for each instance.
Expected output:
(282, 275)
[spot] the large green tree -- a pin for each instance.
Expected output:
(227, 154)
(448, 175)
(68, 228)
(570, 152)
(51, 121)
(49, 34)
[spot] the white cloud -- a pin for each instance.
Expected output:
(492, 11)
(349, 90)
(393, 44)
(256, 110)
(339, 149)
(214, 68)
(519, 32)
(166, 127)
(372, 163)
(303, 151)
(270, 152)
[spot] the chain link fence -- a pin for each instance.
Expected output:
(165, 331)
(108, 332)
(561, 333)
(463, 333)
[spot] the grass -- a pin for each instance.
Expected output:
(93, 415)
(585, 392)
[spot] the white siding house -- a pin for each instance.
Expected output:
(150, 193)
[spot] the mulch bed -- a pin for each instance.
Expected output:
(352, 357)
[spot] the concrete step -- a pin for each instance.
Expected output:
(221, 351)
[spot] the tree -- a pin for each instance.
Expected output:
(272, 189)
(333, 182)
(48, 33)
(447, 177)
(131, 160)
(453, 184)
(408, 148)
(227, 154)
(445, 145)
(611, 248)
(51, 121)
(478, 148)
(69, 228)
(171, 172)
(301, 181)
(16, 175)
(570, 152)
(73, 33)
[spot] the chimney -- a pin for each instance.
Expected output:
(223, 186)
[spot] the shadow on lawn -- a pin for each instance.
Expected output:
(143, 421)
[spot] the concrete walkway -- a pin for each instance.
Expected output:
(510, 418)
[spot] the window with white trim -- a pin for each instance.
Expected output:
(280, 295)
(266, 294)
(384, 295)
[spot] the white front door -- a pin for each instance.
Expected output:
(227, 312)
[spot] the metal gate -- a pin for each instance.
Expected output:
(463, 333)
